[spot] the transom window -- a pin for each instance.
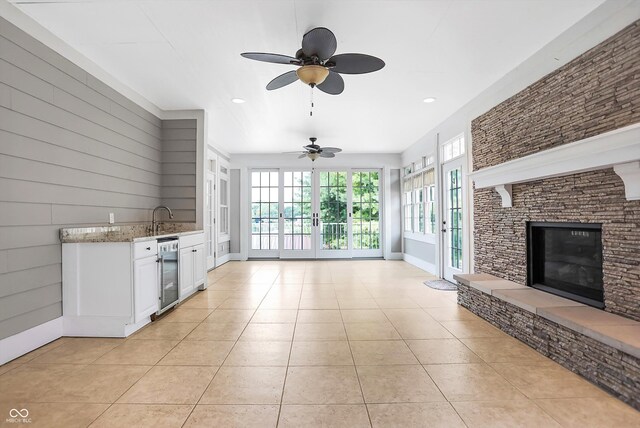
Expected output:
(453, 148)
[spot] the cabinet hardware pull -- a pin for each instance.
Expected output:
(149, 248)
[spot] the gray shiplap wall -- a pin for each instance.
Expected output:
(179, 168)
(72, 150)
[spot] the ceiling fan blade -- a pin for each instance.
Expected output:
(304, 155)
(311, 148)
(320, 42)
(355, 63)
(327, 155)
(293, 153)
(331, 150)
(333, 84)
(271, 57)
(282, 80)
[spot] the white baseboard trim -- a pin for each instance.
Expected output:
(431, 268)
(223, 259)
(236, 257)
(19, 344)
(395, 256)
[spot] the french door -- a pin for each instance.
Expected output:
(320, 213)
(453, 241)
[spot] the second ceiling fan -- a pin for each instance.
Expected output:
(317, 64)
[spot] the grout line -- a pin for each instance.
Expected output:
(286, 372)
(355, 368)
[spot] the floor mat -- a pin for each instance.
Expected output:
(441, 284)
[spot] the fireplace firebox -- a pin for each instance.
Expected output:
(566, 259)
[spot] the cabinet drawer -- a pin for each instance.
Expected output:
(145, 249)
(191, 240)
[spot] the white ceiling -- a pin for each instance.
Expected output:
(185, 54)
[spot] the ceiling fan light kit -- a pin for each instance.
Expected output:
(314, 151)
(319, 68)
(312, 75)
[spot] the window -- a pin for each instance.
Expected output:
(418, 204)
(366, 210)
(429, 183)
(297, 210)
(453, 148)
(408, 206)
(264, 210)
(223, 201)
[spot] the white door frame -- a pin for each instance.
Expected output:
(446, 270)
(379, 252)
(332, 254)
(258, 253)
(211, 212)
(296, 254)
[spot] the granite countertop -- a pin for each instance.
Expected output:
(124, 233)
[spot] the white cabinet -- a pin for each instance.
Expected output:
(110, 289)
(145, 280)
(199, 265)
(193, 270)
(107, 291)
(187, 284)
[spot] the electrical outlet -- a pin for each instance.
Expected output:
(112, 218)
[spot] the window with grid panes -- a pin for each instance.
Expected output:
(429, 183)
(418, 204)
(408, 206)
(264, 210)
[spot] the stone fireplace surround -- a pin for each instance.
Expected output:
(552, 153)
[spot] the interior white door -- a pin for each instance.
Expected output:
(210, 220)
(453, 213)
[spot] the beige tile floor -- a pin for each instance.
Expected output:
(305, 344)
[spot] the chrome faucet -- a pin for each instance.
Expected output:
(154, 222)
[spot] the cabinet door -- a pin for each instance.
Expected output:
(199, 267)
(186, 272)
(145, 286)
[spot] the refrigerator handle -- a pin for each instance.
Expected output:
(161, 298)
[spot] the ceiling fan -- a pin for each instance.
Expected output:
(317, 64)
(314, 151)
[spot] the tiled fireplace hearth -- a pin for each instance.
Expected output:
(603, 348)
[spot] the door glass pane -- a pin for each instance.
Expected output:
(333, 210)
(366, 210)
(264, 210)
(454, 217)
(297, 210)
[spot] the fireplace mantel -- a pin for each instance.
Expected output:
(618, 149)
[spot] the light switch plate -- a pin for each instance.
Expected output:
(112, 218)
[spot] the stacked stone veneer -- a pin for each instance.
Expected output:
(613, 370)
(597, 92)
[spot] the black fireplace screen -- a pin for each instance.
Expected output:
(566, 259)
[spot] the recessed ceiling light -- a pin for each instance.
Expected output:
(429, 100)
(237, 100)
